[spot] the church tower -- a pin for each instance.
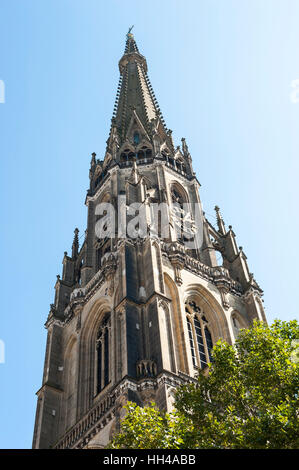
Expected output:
(141, 302)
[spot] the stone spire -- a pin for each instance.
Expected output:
(220, 222)
(135, 99)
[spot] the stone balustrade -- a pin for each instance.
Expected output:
(88, 426)
(217, 274)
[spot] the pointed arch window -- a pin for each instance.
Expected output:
(127, 155)
(103, 354)
(192, 347)
(177, 197)
(144, 152)
(200, 338)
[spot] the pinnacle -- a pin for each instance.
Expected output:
(220, 222)
(135, 173)
(75, 245)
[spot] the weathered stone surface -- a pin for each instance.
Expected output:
(134, 318)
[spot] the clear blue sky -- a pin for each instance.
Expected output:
(222, 73)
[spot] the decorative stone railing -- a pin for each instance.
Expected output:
(175, 168)
(88, 426)
(218, 275)
(79, 292)
(139, 161)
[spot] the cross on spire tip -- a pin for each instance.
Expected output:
(129, 34)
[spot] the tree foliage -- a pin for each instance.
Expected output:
(248, 398)
(149, 428)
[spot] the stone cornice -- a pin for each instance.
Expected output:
(129, 301)
(48, 385)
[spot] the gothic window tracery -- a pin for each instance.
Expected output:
(127, 155)
(144, 152)
(179, 214)
(200, 338)
(103, 354)
(177, 197)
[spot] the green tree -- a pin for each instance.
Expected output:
(149, 428)
(248, 398)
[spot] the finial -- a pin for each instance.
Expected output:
(220, 222)
(129, 34)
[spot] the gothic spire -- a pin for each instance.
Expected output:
(135, 103)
